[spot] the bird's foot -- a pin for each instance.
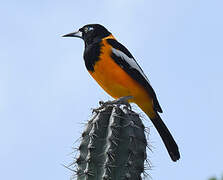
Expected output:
(120, 101)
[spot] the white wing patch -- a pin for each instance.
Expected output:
(130, 61)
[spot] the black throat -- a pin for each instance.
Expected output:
(91, 54)
(92, 40)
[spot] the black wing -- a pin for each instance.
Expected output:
(124, 58)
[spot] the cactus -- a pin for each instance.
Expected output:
(113, 146)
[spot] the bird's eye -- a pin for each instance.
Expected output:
(87, 29)
(90, 28)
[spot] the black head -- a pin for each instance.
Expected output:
(90, 33)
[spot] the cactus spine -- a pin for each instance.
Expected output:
(113, 146)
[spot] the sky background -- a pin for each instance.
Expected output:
(46, 93)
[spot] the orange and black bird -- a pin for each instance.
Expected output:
(117, 72)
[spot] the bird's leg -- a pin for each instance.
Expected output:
(120, 101)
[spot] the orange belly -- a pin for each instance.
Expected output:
(117, 83)
(113, 79)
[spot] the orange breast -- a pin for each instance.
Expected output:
(118, 83)
(113, 79)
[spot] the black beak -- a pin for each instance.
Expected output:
(74, 34)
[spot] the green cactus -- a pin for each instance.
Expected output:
(113, 146)
(214, 178)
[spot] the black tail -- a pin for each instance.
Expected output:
(167, 138)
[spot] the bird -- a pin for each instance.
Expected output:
(115, 69)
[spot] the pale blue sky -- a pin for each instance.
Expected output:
(46, 92)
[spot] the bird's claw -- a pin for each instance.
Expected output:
(120, 101)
